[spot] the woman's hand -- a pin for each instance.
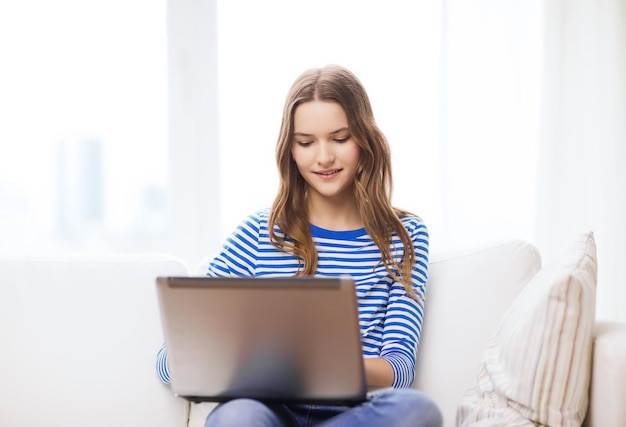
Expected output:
(378, 372)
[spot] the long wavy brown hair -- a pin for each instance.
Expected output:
(372, 185)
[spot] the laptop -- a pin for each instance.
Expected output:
(292, 340)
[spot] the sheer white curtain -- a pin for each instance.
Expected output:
(582, 176)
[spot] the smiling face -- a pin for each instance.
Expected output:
(324, 151)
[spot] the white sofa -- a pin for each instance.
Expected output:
(79, 337)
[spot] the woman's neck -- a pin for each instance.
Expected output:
(335, 215)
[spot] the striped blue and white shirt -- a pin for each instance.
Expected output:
(390, 320)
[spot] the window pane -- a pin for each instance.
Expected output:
(83, 155)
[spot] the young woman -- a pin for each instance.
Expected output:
(333, 216)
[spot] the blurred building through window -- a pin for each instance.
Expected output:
(80, 185)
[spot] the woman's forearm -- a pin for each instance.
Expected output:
(378, 372)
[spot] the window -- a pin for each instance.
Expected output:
(83, 160)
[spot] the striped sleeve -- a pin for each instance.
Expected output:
(161, 365)
(404, 316)
(240, 252)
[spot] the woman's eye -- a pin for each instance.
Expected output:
(304, 143)
(340, 140)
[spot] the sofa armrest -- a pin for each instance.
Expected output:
(608, 376)
(79, 337)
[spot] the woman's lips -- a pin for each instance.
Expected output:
(328, 173)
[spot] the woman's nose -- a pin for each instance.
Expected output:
(325, 154)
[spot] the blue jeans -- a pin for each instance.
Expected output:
(394, 407)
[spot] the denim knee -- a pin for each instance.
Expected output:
(413, 407)
(243, 412)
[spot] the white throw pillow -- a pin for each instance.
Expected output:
(536, 370)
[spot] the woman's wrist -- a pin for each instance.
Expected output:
(378, 372)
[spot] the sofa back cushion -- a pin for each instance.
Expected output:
(79, 337)
(536, 369)
(467, 295)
